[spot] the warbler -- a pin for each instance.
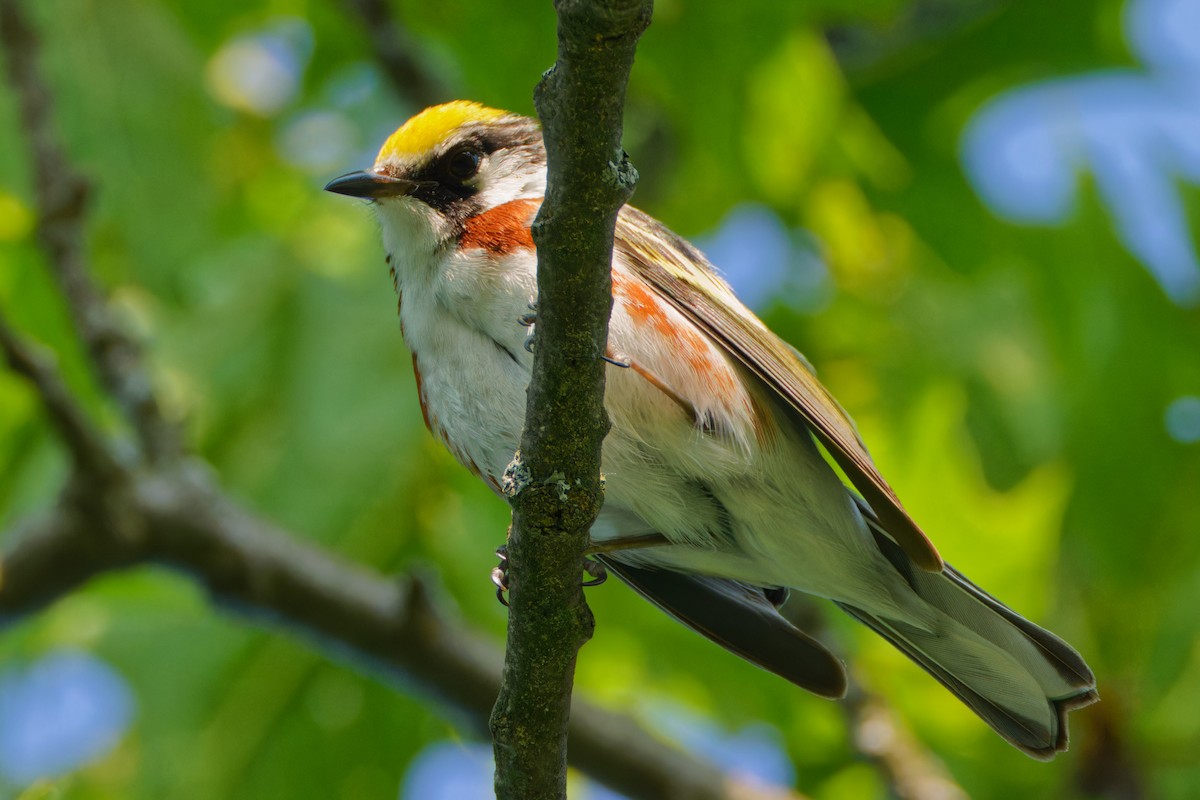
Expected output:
(713, 454)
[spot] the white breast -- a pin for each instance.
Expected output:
(462, 323)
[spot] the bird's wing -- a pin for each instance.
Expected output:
(741, 619)
(683, 277)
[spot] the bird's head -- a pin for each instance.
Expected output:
(446, 165)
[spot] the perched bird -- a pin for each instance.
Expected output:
(713, 451)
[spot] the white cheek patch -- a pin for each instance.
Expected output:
(513, 178)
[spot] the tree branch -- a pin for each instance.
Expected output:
(60, 197)
(391, 625)
(910, 772)
(87, 446)
(860, 46)
(554, 479)
(398, 54)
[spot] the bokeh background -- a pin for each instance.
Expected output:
(976, 218)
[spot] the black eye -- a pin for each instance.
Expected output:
(463, 164)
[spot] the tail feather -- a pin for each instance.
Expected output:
(1029, 720)
(1061, 656)
(1019, 678)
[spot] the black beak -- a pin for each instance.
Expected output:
(371, 184)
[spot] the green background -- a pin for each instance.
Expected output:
(1011, 381)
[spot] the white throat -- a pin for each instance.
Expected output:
(414, 237)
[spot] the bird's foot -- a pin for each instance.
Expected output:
(597, 574)
(596, 570)
(529, 320)
(500, 575)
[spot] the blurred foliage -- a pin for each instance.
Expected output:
(1011, 381)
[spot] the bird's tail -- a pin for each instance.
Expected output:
(1019, 678)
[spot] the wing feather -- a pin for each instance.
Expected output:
(683, 277)
(740, 618)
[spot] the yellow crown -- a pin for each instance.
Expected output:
(432, 126)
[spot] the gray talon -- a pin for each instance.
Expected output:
(500, 575)
(596, 570)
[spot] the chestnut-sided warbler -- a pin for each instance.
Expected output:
(713, 448)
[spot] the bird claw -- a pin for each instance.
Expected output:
(529, 320)
(592, 567)
(595, 569)
(500, 575)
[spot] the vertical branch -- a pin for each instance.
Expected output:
(554, 479)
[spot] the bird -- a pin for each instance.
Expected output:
(713, 466)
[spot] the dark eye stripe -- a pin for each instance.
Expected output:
(444, 184)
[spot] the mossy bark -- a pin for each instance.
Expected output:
(555, 480)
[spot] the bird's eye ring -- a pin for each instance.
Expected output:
(463, 165)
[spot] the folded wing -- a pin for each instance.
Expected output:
(680, 275)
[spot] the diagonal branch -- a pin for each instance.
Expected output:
(60, 198)
(917, 26)
(87, 446)
(391, 625)
(398, 54)
(909, 771)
